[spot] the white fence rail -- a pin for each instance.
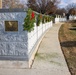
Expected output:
(34, 36)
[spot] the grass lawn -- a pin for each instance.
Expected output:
(67, 37)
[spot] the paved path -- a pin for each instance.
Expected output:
(49, 59)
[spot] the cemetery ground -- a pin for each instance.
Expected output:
(67, 37)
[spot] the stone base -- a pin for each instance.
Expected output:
(14, 64)
(22, 64)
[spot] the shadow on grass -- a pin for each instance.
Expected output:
(68, 44)
(72, 28)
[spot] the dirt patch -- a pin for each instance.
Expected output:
(67, 39)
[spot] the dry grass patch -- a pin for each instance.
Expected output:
(67, 39)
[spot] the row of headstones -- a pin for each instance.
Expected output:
(64, 18)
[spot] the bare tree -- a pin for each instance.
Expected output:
(72, 11)
(12, 4)
(71, 8)
(60, 11)
(43, 6)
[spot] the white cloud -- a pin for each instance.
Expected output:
(23, 1)
(72, 1)
(64, 3)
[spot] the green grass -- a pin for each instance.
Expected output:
(45, 56)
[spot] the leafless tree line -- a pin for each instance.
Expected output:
(41, 6)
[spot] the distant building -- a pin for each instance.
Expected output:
(0, 4)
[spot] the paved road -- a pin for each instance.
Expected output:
(49, 59)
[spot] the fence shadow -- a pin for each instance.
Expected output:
(68, 44)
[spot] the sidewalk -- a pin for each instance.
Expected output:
(49, 59)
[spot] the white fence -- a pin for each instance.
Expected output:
(72, 17)
(19, 45)
(34, 36)
(63, 19)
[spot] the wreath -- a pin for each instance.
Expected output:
(39, 19)
(29, 21)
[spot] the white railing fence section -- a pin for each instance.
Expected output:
(34, 35)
